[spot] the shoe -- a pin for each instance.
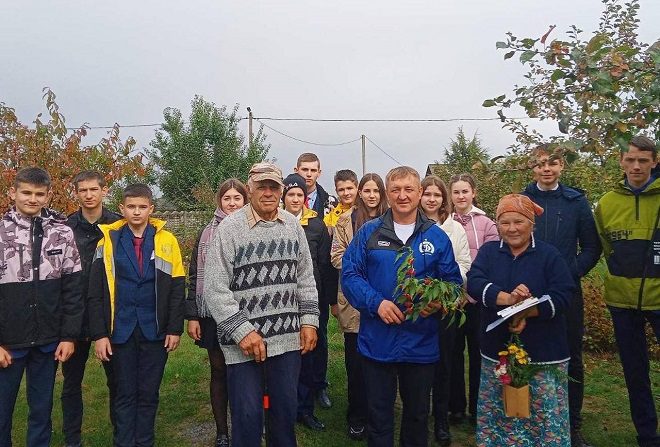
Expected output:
(441, 432)
(324, 399)
(222, 441)
(310, 421)
(456, 418)
(357, 432)
(577, 440)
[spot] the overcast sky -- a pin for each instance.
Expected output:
(125, 61)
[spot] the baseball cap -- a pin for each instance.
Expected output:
(265, 171)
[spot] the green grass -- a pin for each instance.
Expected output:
(184, 417)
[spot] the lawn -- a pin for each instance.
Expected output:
(184, 417)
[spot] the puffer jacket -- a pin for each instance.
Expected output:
(567, 223)
(628, 228)
(40, 300)
(459, 243)
(348, 316)
(478, 227)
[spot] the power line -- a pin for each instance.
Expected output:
(385, 120)
(329, 120)
(305, 141)
(383, 151)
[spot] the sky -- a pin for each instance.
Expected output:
(126, 61)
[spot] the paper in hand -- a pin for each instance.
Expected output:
(510, 311)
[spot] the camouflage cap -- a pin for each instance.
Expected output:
(265, 171)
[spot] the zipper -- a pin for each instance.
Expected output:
(637, 207)
(557, 226)
(647, 258)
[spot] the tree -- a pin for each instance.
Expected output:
(194, 158)
(52, 146)
(600, 91)
(462, 153)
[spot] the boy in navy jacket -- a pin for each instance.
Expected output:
(568, 224)
(135, 306)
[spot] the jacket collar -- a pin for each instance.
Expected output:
(76, 218)
(422, 223)
(47, 216)
(306, 215)
(158, 224)
(570, 193)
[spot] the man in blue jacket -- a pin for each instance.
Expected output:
(392, 347)
(568, 224)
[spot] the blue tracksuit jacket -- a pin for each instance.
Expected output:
(369, 277)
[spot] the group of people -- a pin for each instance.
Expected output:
(279, 257)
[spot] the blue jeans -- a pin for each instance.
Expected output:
(633, 350)
(40, 370)
(245, 400)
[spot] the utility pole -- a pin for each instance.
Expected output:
(364, 156)
(250, 133)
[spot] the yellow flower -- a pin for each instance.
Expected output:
(520, 355)
(501, 353)
(523, 361)
(513, 349)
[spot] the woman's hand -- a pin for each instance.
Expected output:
(519, 321)
(194, 330)
(521, 293)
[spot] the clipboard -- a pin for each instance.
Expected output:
(510, 311)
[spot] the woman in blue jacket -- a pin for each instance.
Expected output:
(503, 274)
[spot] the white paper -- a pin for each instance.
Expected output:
(510, 311)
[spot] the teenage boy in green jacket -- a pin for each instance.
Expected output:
(627, 222)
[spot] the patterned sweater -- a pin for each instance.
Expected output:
(259, 276)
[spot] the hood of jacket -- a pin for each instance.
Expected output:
(47, 215)
(306, 215)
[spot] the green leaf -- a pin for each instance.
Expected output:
(528, 43)
(527, 56)
(509, 55)
(557, 75)
(489, 103)
(501, 45)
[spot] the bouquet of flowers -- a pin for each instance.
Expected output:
(515, 371)
(415, 294)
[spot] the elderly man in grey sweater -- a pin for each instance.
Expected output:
(259, 287)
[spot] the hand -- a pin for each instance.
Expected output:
(64, 350)
(390, 312)
(517, 324)
(520, 293)
(5, 358)
(308, 339)
(172, 342)
(430, 308)
(253, 345)
(103, 349)
(194, 330)
(334, 310)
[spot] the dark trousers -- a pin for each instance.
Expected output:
(469, 333)
(320, 353)
(631, 341)
(306, 388)
(73, 371)
(575, 326)
(414, 380)
(357, 391)
(444, 371)
(245, 382)
(138, 367)
(40, 370)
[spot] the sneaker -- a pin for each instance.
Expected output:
(312, 422)
(357, 432)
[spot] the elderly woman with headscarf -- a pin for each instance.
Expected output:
(505, 273)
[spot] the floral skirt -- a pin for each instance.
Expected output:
(548, 425)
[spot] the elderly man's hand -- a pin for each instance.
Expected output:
(253, 345)
(308, 339)
(390, 312)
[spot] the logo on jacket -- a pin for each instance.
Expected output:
(383, 243)
(426, 248)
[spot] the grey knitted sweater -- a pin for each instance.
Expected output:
(260, 278)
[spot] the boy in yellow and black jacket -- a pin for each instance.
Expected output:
(136, 311)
